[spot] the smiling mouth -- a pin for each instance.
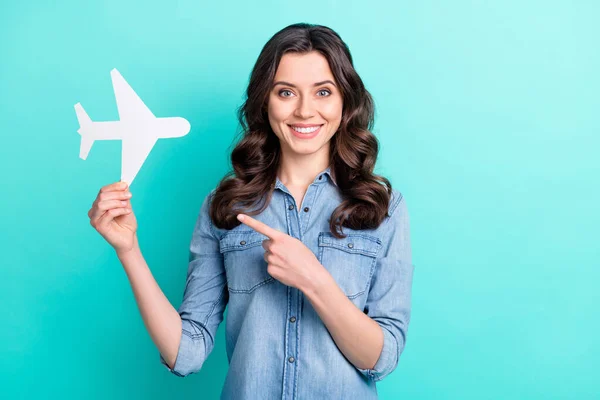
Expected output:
(305, 129)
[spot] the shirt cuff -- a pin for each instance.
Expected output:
(387, 359)
(190, 355)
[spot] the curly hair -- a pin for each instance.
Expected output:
(353, 151)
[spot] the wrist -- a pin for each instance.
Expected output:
(317, 282)
(123, 254)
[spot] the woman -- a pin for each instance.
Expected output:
(308, 248)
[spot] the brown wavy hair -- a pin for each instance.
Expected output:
(353, 149)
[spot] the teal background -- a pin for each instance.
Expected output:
(487, 118)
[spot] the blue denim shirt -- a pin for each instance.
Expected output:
(277, 346)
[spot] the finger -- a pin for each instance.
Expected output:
(270, 258)
(102, 206)
(110, 204)
(114, 186)
(266, 244)
(114, 195)
(110, 215)
(259, 227)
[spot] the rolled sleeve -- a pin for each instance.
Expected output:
(205, 297)
(190, 356)
(389, 299)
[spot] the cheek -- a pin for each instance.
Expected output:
(278, 110)
(332, 111)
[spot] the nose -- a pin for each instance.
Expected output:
(305, 109)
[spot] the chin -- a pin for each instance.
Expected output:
(305, 149)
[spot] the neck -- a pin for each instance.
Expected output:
(300, 172)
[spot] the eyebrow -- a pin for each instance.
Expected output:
(292, 85)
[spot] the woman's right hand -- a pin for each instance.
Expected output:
(112, 216)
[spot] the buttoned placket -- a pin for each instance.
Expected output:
(297, 222)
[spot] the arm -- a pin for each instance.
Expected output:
(372, 341)
(204, 299)
(160, 318)
(357, 336)
(184, 337)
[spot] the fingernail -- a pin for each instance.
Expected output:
(240, 217)
(123, 203)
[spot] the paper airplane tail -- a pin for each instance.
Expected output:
(86, 139)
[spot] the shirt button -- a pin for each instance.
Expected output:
(243, 242)
(350, 245)
(291, 207)
(291, 359)
(306, 209)
(293, 319)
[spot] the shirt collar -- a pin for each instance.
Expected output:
(323, 174)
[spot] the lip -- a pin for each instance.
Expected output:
(303, 135)
(305, 125)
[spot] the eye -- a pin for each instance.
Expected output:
(326, 91)
(284, 91)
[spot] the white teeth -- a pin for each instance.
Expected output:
(305, 130)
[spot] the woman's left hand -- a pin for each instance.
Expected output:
(289, 260)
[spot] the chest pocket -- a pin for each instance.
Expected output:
(243, 256)
(350, 260)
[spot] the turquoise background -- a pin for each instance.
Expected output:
(487, 114)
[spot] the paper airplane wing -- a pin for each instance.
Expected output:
(133, 154)
(131, 107)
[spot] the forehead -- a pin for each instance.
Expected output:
(303, 69)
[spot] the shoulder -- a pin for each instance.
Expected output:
(204, 222)
(396, 200)
(205, 215)
(395, 232)
(397, 219)
(206, 202)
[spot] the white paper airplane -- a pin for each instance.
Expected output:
(137, 127)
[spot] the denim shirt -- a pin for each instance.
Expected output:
(277, 346)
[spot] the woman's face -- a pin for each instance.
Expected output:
(304, 96)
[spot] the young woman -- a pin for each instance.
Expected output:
(308, 248)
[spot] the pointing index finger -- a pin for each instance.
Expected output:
(259, 226)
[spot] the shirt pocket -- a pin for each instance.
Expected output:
(350, 260)
(243, 257)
